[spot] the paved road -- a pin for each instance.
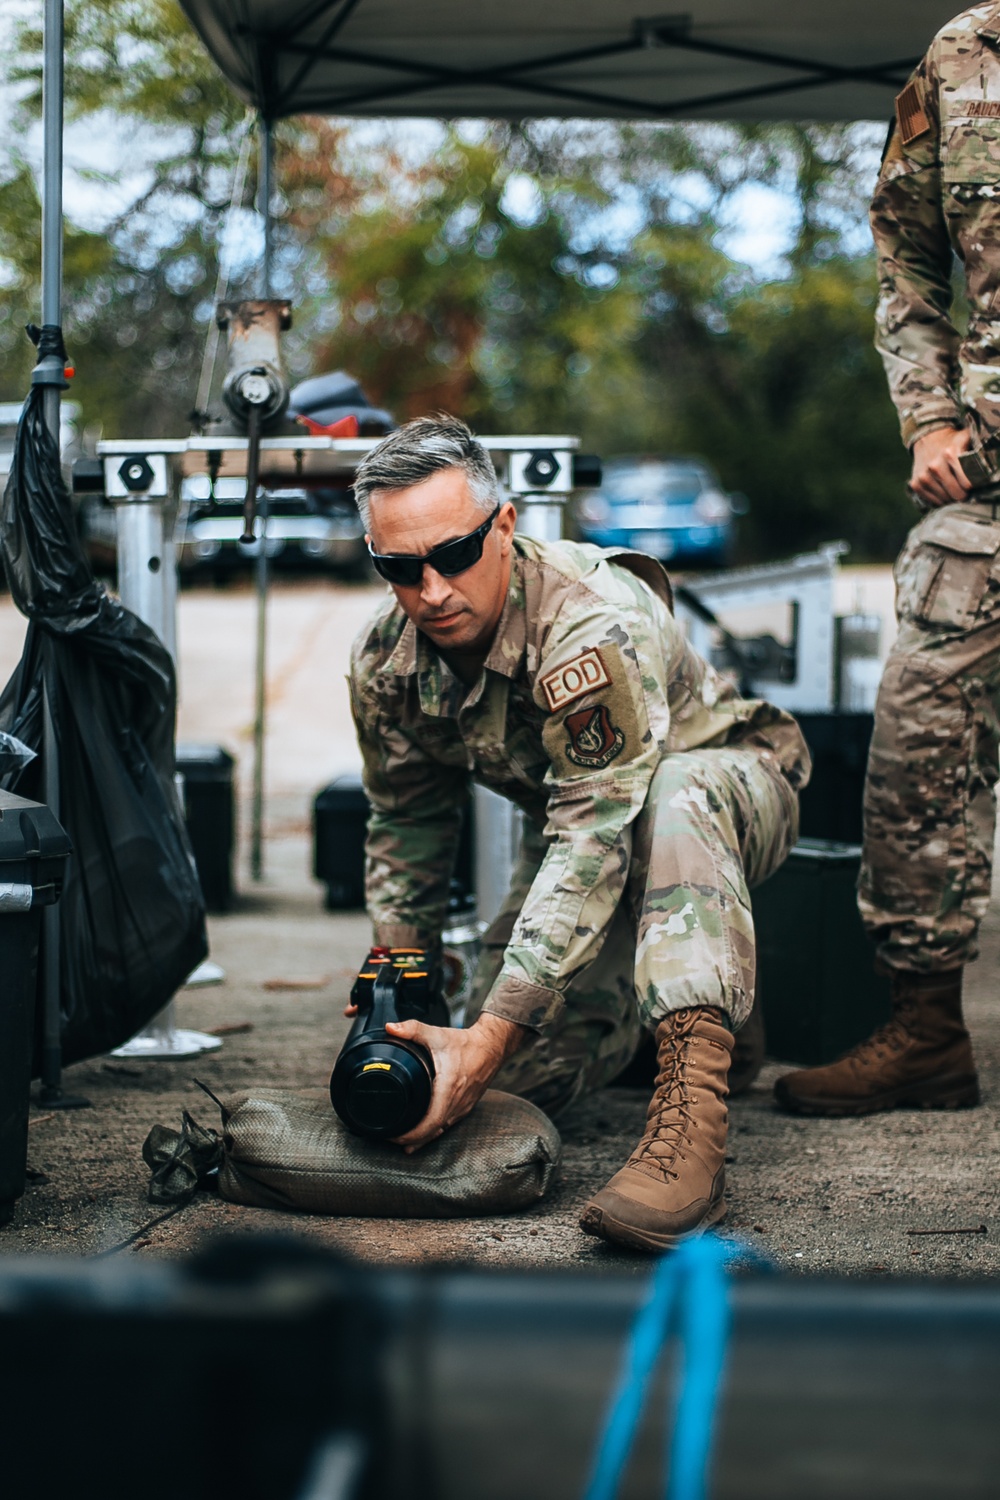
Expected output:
(310, 627)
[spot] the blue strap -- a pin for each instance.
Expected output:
(704, 1331)
(691, 1279)
(649, 1333)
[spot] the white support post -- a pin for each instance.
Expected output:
(147, 586)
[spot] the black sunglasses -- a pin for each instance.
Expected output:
(450, 559)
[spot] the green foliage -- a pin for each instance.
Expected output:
(783, 390)
(136, 295)
(446, 301)
(534, 277)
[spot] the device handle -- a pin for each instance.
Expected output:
(383, 1007)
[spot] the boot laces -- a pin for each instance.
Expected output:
(889, 1040)
(669, 1117)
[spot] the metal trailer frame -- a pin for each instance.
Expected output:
(147, 576)
(806, 584)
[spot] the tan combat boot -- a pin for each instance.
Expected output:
(921, 1057)
(673, 1183)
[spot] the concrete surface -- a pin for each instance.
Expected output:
(817, 1196)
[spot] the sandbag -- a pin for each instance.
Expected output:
(289, 1150)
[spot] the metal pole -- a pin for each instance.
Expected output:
(50, 369)
(260, 670)
(264, 205)
(145, 584)
(260, 698)
(48, 373)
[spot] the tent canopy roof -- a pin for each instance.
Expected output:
(720, 59)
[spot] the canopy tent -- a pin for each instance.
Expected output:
(721, 59)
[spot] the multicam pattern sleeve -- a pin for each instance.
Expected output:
(915, 335)
(939, 195)
(600, 680)
(414, 824)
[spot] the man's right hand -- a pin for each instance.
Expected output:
(938, 478)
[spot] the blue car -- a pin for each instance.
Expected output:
(673, 508)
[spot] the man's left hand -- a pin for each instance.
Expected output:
(465, 1062)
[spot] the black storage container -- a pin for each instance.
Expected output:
(33, 850)
(831, 803)
(816, 981)
(340, 819)
(210, 814)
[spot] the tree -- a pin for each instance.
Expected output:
(567, 276)
(137, 295)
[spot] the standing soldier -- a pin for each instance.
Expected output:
(929, 799)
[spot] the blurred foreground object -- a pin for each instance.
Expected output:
(833, 1390)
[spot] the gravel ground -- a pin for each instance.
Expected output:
(816, 1196)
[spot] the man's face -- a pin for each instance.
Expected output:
(460, 613)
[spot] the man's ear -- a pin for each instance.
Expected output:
(505, 523)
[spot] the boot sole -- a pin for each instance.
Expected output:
(936, 1093)
(604, 1226)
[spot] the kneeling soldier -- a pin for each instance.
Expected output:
(653, 796)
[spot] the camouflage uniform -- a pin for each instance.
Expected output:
(929, 804)
(652, 795)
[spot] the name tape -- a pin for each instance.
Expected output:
(584, 674)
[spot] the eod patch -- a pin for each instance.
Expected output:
(584, 674)
(593, 739)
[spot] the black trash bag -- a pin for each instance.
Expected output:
(132, 916)
(14, 756)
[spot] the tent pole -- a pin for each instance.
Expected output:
(266, 190)
(50, 368)
(260, 697)
(52, 116)
(262, 569)
(48, 373)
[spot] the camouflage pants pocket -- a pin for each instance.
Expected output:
(944, 573)
(929, 805)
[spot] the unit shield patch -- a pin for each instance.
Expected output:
(593, 739)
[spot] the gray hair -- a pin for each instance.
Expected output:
(419, 449)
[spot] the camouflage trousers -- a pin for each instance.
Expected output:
(929, 800)
(715, 823)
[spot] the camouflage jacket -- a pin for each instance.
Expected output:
(939, 193)
(588, 683)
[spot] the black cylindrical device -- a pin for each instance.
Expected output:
(381, 1085)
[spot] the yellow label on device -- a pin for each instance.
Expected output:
(382, 1067)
